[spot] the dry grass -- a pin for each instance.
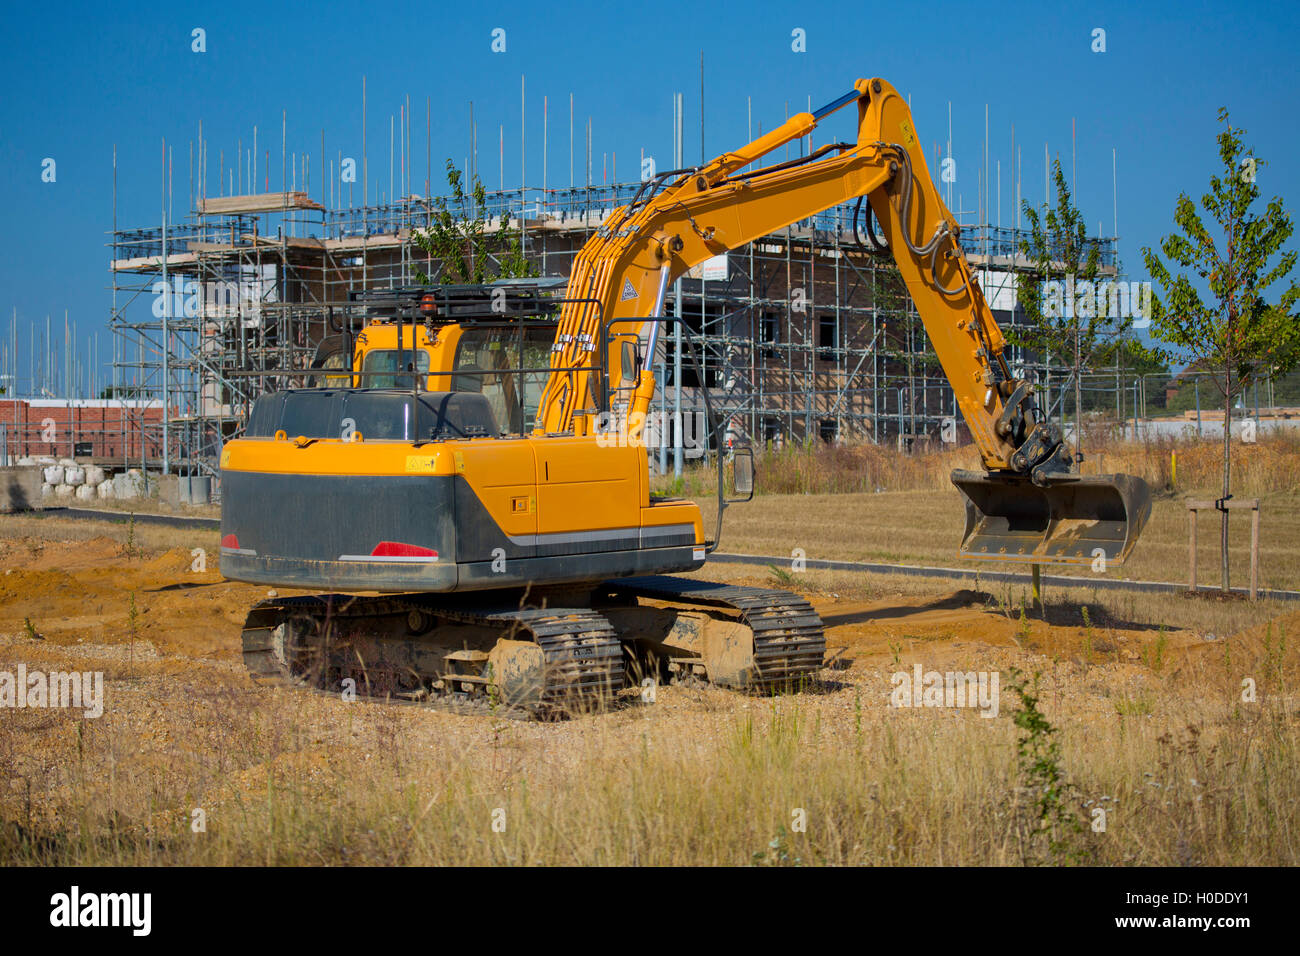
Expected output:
(1065, 606)
(924, 527)
(119, 527)
(1148, 715)
(872, 503)
(152, 505)
(1270, 465)
(287, 780)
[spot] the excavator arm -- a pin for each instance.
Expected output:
(1028, 504)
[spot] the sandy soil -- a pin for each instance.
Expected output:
(95, 598)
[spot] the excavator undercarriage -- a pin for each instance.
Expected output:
(529, 653)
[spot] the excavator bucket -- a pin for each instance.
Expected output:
(1073, 519)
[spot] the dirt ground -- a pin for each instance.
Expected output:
(168, 611)
(133, 603)
(89, 598)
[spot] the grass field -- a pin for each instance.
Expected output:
(1172, 466)
(191, 763)
(924, 527)
(1130, 729)
(870, 503)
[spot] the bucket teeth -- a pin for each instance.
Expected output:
(1070, 519)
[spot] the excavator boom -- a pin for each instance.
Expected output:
(1028, 504)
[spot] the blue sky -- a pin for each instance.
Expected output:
(90, 76)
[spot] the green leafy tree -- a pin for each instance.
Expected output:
(457, 237)
(1089, 330)
(1211, 307)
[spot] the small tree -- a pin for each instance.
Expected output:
(1233, 332)
(1087, 327)
(457, 238)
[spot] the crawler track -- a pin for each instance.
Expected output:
(435, 649)
(317, 641)
(789, 637)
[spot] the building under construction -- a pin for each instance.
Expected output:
(800, 336)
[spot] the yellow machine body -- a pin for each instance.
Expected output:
(481, 456)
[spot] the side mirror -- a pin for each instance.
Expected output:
(742, 473)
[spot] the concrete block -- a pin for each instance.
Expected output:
(20, 489)
(169, 489)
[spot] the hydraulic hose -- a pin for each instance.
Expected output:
(941, 232)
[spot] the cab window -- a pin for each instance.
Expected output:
(483, 355)
(386, 360)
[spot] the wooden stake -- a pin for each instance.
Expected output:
(1254, 553)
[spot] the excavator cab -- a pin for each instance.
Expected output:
(1057, 518)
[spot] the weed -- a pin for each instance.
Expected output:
(1088, 647)
(1154, 656)
(1139, 706)
(1021, 637)
(777, 852)
(1048, 821)
(132, 619)
(783, 577)
(1274, 654)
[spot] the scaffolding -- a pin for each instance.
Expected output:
(799, 336)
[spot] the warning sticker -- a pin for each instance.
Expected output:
(421, 464)
(629, 291)
(909, 139)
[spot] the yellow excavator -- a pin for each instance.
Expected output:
(474, 501)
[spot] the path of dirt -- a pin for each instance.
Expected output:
(93, 597)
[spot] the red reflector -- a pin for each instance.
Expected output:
(230, 541)
(396, 549)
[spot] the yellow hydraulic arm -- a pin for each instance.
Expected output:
(626, 266)
(682, 218)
